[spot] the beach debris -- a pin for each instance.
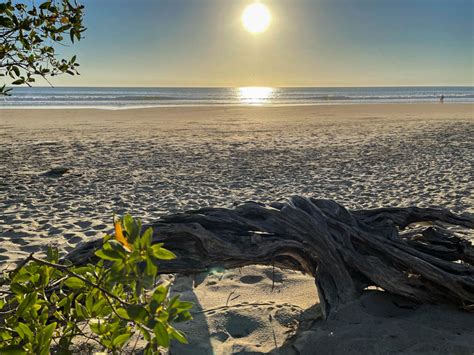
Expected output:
(57, 171)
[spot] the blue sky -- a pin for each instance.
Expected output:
(308, 43)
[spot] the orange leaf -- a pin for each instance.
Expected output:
(119, 235)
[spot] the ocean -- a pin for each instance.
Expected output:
(117, 98)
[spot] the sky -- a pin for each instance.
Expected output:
(308, 43)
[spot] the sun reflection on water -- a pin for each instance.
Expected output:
(255, 95)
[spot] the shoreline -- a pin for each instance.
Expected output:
(115, 108)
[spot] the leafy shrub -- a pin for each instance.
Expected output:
(48, 303)
(29, 32)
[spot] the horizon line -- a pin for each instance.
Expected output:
(234, 87)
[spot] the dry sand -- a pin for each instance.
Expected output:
(155, 161)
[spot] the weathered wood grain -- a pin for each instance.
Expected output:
(346, 251)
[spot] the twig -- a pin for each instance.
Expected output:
(80, 277)
(20, 265)
(273, 275)
(228, 297)
(113, 308)
(270, 318)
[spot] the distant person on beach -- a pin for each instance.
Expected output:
(441, 99)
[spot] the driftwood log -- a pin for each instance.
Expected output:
(411, 252)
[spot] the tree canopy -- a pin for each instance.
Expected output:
(29, 34)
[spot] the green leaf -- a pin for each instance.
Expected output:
(5, 335)
(44, 275)
(45, 5)
(83, 270)
(98, 306)
(184, 306)
(22, 276)
(161, 334)
(164, 316)
(117, 246)
(183, 317)
(116, 271)
(137, 313)
(6, 22)
(44, 315)
(52, 254)
(151, 268)
(27, 303)
(53, 298)
(45, 338)
(16, 70)
(119, 340)
(98, 327)
(89, 302)
(174, 301)
(148, 350)
(112, 250)
(108, 254)
(19, 289)
(116, 327)
(161, 253)
(179, 336)
(131, 227)
(160, 293)
(18, 82)
(81, 310)
(24, 331)
(145, 239)
(74, 283)
(122, 313)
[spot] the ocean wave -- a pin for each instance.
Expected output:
(150, 97)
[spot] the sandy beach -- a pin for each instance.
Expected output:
(151, 162)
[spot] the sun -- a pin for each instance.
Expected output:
(256, 18)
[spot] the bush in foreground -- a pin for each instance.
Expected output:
(47, 304)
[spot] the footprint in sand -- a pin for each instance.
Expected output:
(221, 336)
(251, 279)
(239, 325)
(83, 224)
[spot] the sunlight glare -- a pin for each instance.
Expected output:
(256, 18)
(255, 95)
